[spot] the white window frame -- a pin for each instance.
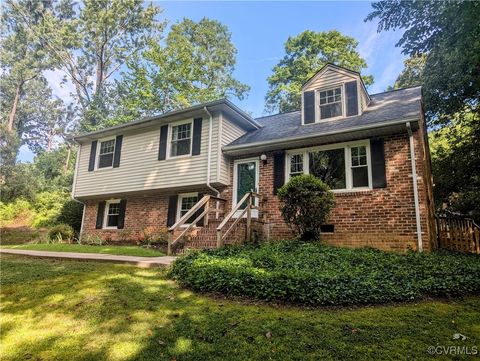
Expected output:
(97, 157)
(235, 184)
(179, 205)
(347, 146)
(318, 118)
(105, 215)
(170, 136)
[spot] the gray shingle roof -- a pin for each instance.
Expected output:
(384, 107)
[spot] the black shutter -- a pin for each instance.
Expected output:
(278, 171)
(309, 107)
(100, 214)
(352, 98)
(379, 178)
(93, 154)
(162, 148)
(172, 210)
(200, 211)
(121, 214)
(197, 136)
(118, 151)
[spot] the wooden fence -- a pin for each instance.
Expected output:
(459, 234)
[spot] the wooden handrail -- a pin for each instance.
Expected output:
(201, 203)
(248, 197)
(233, 211)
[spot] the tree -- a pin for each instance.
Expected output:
(306, 205)
(22, 58)
(90, 43)
(448, 33)
(195, 65)
(305, 54)
(456, 166)
(412, 73)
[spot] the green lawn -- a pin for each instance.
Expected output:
(65, 310)
(118, 250)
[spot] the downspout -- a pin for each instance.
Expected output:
(209, 156)
(415, 189)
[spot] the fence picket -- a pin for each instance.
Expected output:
(461, 234)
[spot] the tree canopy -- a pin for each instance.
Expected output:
(195, 65)
(448, 33)
(304, 55)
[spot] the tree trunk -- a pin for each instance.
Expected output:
(65, 167)
(13, 112)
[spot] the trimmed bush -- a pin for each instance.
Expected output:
(306, 205)
(61, 233)
(315, 274)
(71, 213)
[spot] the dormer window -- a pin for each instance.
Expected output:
(330, 103)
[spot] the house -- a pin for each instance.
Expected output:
(210, 172)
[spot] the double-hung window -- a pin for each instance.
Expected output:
(359, 166)
(342, 167)
(185, 202)
(296, 165)
(330, 103)
(181, 140)
(105, 155)
(112, 211)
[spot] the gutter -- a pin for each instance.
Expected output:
(249, 146)
(415, 189)
(209, 156)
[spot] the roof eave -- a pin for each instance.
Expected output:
(175, 113)
(258, 146)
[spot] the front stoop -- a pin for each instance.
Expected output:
(143, 262)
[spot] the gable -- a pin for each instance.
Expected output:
(346, 82)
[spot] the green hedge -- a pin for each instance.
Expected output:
(315, 274)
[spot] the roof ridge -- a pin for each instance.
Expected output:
(395, 90)
(274, 115)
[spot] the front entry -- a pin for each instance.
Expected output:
(245, 179)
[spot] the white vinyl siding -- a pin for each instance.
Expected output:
(229, 132)
(140, 168)
(329, 78)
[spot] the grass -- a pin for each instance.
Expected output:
(118, 250)
(65, 310)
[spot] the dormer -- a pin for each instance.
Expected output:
(333, 93)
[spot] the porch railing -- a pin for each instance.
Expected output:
(202, 203)
(460, 234)
(249, 198)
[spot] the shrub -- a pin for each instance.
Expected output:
(61, 233)
(92, 239)
(71, 213)
(315, 274)
(48, 206)
(10, 211)
(306, 205)
(154, 237)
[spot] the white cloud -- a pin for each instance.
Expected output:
(62, 89)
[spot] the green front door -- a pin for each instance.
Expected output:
(246, 173)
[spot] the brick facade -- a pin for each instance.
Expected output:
(381, 218)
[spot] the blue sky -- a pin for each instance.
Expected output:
(259, 30)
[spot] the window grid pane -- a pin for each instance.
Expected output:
(112, 214)
(107, 147)
(181, 139)
(296, 165)
(186, 205)
(330, 103)
(359, 156)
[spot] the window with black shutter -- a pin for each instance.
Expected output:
(106, 153)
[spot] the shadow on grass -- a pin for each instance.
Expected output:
(64, 310)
